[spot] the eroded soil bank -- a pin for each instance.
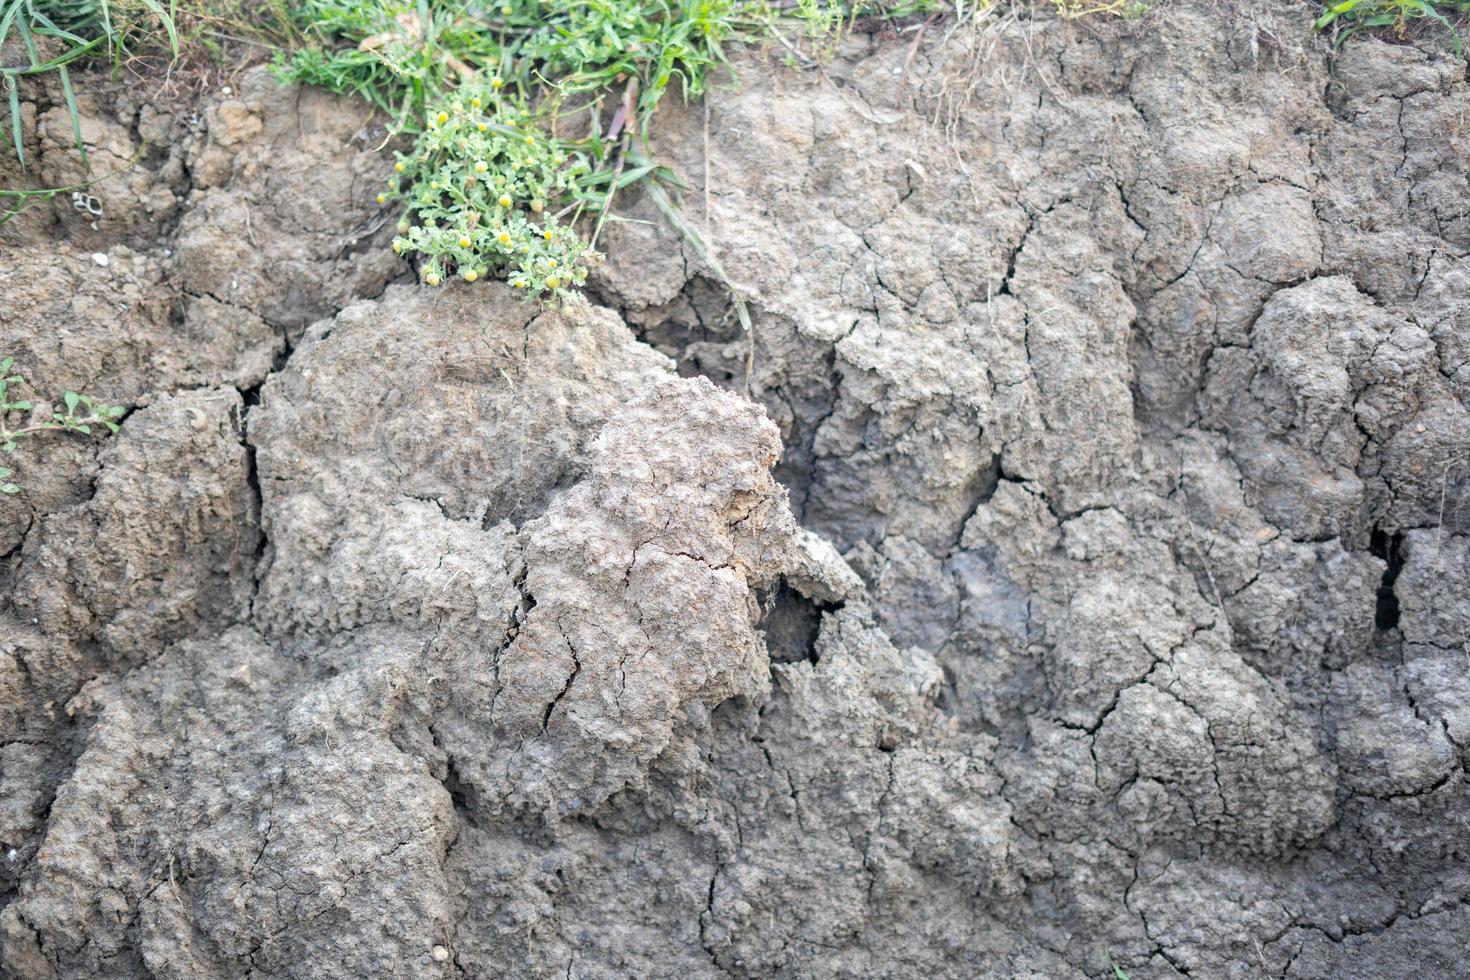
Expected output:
(1089, 573)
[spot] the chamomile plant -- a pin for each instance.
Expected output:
(479, 188)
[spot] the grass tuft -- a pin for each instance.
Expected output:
(56, 33)
(546, 104)
(1349, 17)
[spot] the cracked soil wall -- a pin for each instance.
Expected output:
(1086, 574)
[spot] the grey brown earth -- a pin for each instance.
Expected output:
(1087, 575)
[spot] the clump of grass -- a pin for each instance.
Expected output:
(56, 33)
(81, 413)
(398, 56)
(529, 116)
(1348, 17)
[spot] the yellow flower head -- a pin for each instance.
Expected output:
(504, 237)
(496, 82)
(464, 243)
(481, 167)
(442, 118)
(552, 282)
(432, 279)
(505, 200)
(470, 275)
(398, 168)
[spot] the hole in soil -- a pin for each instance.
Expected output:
(794, 377)
(1386, 612)
(791, 624)
(460, 794)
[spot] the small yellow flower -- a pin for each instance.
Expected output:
(518, 283)
(536, 205)
(432, 279)
(484, 128)
(504, 237)
(505, 10)
(505, 200)
(548, 234)
(442, 118)
(496, 82)
(464, 243)
(470, 275)
(481, 167)
(475, 102)
(551, 263)
(398, 168)
(552, 282)
(397, 248)
(530, 140)
(381, 198)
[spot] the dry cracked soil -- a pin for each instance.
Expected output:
(1073, 563)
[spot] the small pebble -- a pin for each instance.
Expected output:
(100, 259)
(440, 954)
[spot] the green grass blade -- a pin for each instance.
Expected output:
(107, 32)
(675, 218)
(76, 117)
(1429, 10)
(24, 27)
(12, 12)
(65, 58)
(14, 96)
(168, 23)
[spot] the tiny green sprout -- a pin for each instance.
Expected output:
(81, 413)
